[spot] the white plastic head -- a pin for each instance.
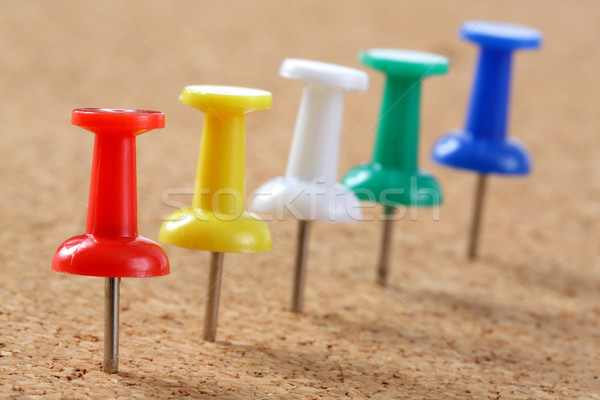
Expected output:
(309, 190)
(324, 74)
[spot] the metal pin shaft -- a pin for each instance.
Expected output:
(111, 325)
(385, 249)
(211, 312)
(300, 266)
(476, 221)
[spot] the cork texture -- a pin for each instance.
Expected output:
(521, 322)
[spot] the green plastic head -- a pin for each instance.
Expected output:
(404, 63)
(393, 177)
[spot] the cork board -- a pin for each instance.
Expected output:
(521, 322)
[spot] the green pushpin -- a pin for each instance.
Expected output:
(394, 178)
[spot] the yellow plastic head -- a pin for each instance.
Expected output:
(218, 220)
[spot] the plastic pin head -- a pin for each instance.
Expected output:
(209, 97)
(393, 177)
(309, 190)
(111, 246)
(324, 74)
(482, 146)
(217, 220)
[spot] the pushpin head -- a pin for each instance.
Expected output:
(404, 63)
(325, 74)
(91, 255)
(393, 177)
(394, 187)
(460, 149)
(218, 220)
(500, 35)
(309, 190)
(118, 121)
(482, 145)
(211, 97)
(111, 246)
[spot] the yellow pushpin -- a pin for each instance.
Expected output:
(218, 221)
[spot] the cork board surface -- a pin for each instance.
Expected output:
(522, 322)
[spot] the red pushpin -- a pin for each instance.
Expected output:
(111, 247)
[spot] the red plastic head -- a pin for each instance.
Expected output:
(117, 121)
(111, 246)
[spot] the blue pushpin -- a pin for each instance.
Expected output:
(482, 146)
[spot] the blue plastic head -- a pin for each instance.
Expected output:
(482, 145)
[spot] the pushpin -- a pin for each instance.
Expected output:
(111, 247)
(217, 221)
(309, 191)
(482, 146)
(394, 178)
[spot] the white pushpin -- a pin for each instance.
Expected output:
(309, 191)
